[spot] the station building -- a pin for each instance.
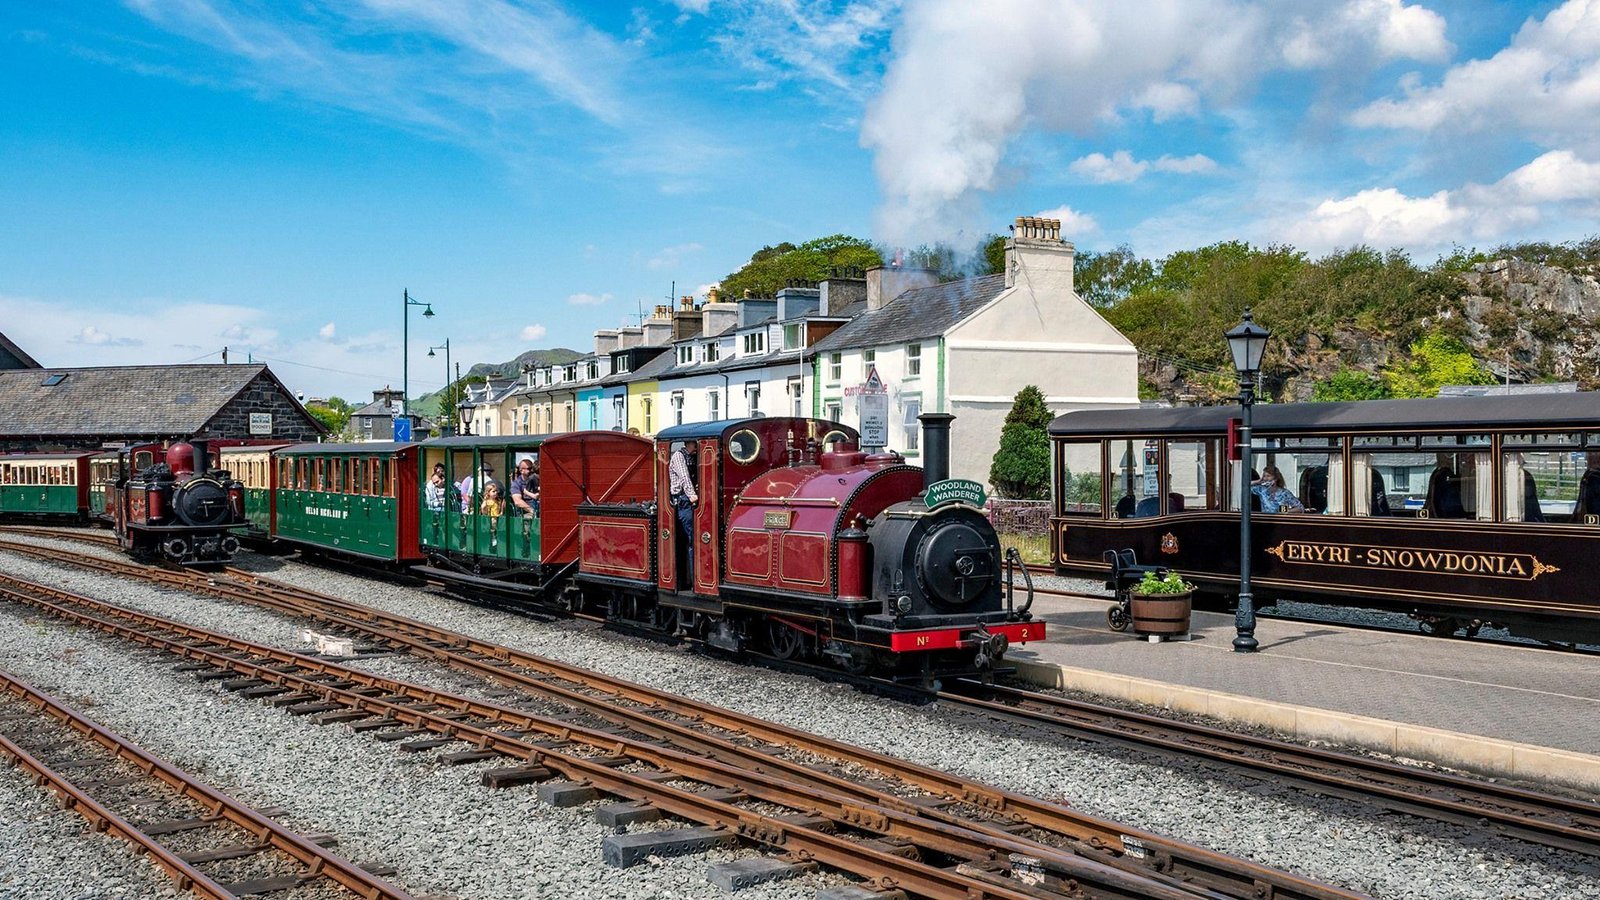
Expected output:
(88, 408)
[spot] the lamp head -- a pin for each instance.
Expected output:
(1248, 342)
(430, 351)
(427, 311)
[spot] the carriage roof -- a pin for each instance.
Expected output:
(1533, 412)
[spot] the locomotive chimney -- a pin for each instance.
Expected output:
(935, 447)
(202, 456)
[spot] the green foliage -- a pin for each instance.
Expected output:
(994, 255)
(331, 419)
(771, 269)
(1020, 469)
(1107, 278)
(1574, 256)
(1350, 384)
(1436, 360)
(1082, 489)
(1461, 259)
(1173, 583)
(453, 395)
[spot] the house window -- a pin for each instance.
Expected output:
(755, 342)
(619, 411)
(835, 367)
(572, 423)
(572, 373)
(793, 334)
(621, 364)
(795, 406)
(869, 358)
(752, 393)
(686, 355)
(913, 360)
(644, 409)
(677, 407)
(714, 400)
(833, 410)
(713, 351)
(913, 427)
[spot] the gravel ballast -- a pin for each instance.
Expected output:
(1335, 841)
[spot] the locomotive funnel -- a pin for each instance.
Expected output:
(935, 447)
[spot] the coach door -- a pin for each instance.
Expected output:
(433, 500)
(708, 518)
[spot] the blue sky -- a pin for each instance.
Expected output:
(180, 175)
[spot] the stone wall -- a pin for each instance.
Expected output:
(290, 422)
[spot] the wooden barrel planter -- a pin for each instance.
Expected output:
(1162, 614)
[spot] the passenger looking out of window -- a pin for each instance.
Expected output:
(525, 487)
(1275, 497)
(493, 506)
(433, 491)
(1589, 488)
(471, 485)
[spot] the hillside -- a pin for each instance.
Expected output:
(428, 404)
(1357, 324)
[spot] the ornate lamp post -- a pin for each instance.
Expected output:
(448, 384)
(1247, 341)
(405, 345)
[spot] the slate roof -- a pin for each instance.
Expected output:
(657, 364)
(118, 401)
(916, 314)
(8, 348)
(377, 408)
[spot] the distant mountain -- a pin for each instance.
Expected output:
(555, 356)
(428, 404)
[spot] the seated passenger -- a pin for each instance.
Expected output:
(433, 492)
(1148, 506)
(493, 505)
(1589, 489)
(1531, 510)
(1380, 496)
(1275, 497)
(1444, 491)
(1125, 506)
(525, 487)
(1314, 488)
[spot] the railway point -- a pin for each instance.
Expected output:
(1523, 713)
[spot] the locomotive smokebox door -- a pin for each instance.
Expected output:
(955, 563)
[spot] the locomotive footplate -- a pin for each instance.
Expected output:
(981, 637)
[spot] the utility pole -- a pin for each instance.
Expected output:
(224, 355)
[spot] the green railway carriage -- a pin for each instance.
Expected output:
(104, 469)
(353, 498)
(470, 524)
(53, 485)
(252, 465)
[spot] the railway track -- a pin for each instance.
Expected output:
(890, 847)
(1526, 815)
(124, 790)
(1531, 816)
(1054, 835)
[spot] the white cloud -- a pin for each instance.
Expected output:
(1072, 222)
(532, 333)
(1544, 84)
(326, 332)
(694, 6)
(672, 257)
(1121, 168)
(962, 82)
(816, 41)
(1389, 27)
(1386, 217)
(588, 299)
(95, 337)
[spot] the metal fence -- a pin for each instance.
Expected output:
(1024, 524)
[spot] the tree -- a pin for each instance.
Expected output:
(453, 395)
(1107, 278)
(1021, 467)
(1435, 361)
(771, 269)
(331, 419)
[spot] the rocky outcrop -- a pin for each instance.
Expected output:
(1541, 321)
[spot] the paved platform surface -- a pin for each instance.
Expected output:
(1524, 695)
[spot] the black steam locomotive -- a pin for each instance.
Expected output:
(179, 509)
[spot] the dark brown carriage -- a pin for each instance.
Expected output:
(1460, 511)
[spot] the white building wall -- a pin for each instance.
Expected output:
(909, 394)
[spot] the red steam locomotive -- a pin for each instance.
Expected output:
(180, 510)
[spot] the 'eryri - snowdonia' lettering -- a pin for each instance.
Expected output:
(1519, 566)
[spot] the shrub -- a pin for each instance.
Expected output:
(1020, 469)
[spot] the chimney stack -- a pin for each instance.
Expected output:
(1036, 248)
(884, 283)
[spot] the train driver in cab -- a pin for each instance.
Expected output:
(680, 488)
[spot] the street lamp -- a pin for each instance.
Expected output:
(447, 383)
(1247, 341)
(405, 344)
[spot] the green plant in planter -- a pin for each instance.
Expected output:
(1172, 584)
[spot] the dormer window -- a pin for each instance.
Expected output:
(755, 342)
(713, 351)
(685, 354)
(594, 369)
(622, 365)
(793, 335)
(572, 373)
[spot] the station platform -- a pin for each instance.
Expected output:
(1526, 713)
